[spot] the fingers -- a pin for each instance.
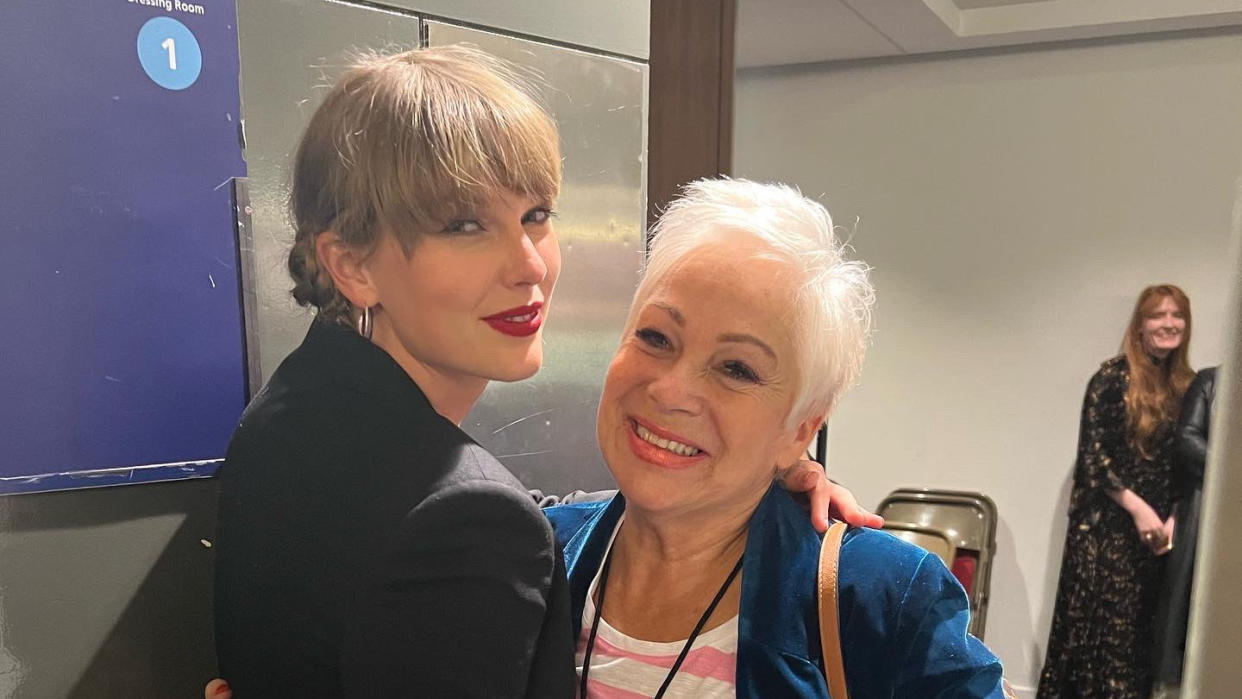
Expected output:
(821, 502)
(1157, 541)
(827, 499)
(844, 506)
(801, 477)
(217, 689)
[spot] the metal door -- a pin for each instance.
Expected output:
(543, 429)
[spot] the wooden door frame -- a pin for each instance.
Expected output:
(690, 103)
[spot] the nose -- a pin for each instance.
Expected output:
(526, 266)
(678, 389)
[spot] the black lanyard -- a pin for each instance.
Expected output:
(685, 650)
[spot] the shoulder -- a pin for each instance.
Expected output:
(881, 568)
(892, 585)
(1111, 378)
(474, 464)
(295, 407)
(1205, 380)
(481, 517)
(867, 544)
(476, 498)
(1116, 363)
(906, 629)
(1113, 367)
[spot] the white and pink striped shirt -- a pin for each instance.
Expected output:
(623, 667)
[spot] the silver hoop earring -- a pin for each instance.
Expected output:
(364, 323)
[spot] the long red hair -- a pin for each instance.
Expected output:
(1154, 397)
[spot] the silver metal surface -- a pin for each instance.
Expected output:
(543, 429)
(616, 26)
(250, 302)
(291, 52)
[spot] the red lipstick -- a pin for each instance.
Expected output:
(517, 322)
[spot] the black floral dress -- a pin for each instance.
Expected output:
(1106, 596)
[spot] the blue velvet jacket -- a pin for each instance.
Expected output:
(903, 615)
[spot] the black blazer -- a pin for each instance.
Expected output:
(367, 547)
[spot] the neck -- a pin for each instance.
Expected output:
(451, 394)
(666, 570)
(657, 540)
(683, 550)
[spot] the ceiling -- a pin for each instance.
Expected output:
(778, 32)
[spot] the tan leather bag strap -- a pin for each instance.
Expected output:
(829, 626)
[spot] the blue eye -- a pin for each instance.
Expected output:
(463, 225)
(739, 371)
(652, 338)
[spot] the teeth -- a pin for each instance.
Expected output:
(519, 319)
(668, 444)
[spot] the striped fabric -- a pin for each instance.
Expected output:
(629, 668)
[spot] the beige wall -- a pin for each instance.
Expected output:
(1012, 204)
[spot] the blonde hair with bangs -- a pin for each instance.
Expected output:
(406, 142)
(834, 297)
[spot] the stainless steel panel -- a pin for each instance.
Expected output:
(250, 303)
(616, 26)
(291, 52)
(543, 429)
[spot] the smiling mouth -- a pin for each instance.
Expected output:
(669, 445)
(517, 322)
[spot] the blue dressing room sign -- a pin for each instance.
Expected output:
(122, 354)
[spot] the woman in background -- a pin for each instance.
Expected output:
(1119, 512)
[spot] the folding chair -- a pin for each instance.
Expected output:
(967, 521)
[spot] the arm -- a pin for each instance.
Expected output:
(459, 609)
(1098, 445)
(573, 498)
(827, 499)
(806, 478)
(936, 657)
(1192, 435)
(1098, 437)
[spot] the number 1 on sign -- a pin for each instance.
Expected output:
(171, 47)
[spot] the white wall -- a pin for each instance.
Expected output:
(1012, 204)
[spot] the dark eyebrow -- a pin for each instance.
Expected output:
(749, 339)
(678, 318)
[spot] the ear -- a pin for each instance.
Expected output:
(347, 267)
(801, 437)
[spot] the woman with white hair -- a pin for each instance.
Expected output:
(700, 578)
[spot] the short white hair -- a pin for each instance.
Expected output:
(834, 298)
